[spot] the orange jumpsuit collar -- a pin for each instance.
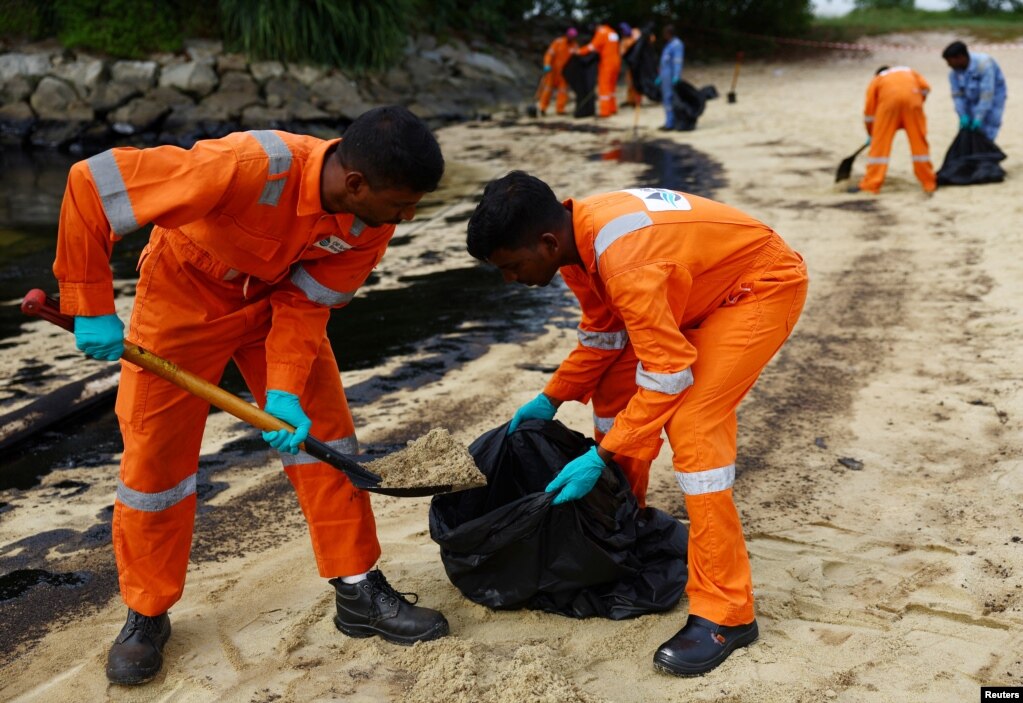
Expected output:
(309, 202)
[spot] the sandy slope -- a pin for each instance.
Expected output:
(897, 581)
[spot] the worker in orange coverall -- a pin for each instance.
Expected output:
(895, 100)
(629, 36)
(257, 236)
(554, 60)
(605, 44)
(684, 302)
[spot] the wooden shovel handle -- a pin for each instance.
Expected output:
(37, 303)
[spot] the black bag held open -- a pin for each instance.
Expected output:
(507, 546)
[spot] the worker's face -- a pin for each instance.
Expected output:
(958, 63)
(351, 192)
(386, 206)
(530, 266)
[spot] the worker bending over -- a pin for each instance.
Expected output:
(257, 237)
(684, 301)
(895, 100)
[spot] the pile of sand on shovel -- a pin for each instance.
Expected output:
(435, 459)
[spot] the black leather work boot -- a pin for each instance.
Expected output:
(701, 645)
(373, 607)
(137, 654)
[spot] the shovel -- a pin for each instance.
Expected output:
(845, 168)
(37, 303)
(735, 77)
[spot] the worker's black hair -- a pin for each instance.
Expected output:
(956, 48)
(881, 70)
(513, 212)
(668, 31)
(392, 148)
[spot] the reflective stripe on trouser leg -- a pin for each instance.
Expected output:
(339, 516)
(607, 81)
(915, 124)
(882, 134)
(733, 345)
(614, 390)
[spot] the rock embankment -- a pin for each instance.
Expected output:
(52, 97)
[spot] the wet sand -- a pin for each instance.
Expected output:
(879, 470)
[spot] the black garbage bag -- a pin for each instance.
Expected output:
(507, 546)
(972, 159)
(580, 73)
(643, 62)
(689, 102)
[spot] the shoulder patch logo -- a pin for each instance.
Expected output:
(660, 199)
(333, 244)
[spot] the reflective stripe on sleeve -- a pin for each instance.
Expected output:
(619, 227)
(345, 445)
(603, 340)
(316, 291)
(670, 383)
(603, 424)
(710, 481)
(155, 502)
(106, 174)
(921, 157)
(868, 118)
(280, 161)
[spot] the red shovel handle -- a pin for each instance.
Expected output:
(38, 304)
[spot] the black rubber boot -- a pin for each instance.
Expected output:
(701, 645)
(373, 607)
(137, 654)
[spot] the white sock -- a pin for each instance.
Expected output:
(354, 579)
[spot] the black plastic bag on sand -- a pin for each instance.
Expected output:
(507, 546)
(688, 103)
(972, 159)
(580, 73)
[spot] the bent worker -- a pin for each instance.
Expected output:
(554, 60)
(895, 100)
(978, 89)
(605, 44)
(629, 37)
(670, 73)
(257, 236)
(684, 301)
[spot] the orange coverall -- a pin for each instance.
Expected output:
(605, 43)
(632, 96)
(557, 55)
(895, 100)
(243, 263)
(684, 301)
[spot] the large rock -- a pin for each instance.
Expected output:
(339, 96)
(204, 50)
(422, 71)
(485, 64)
(30, 66)
(140, 75)
(230, 104)
(55, 134)
(193, 77)
(265, 70)
(260, 117)
(15, 89)
(306, 75)
(56, 100)
(111, 95)
(232, 62)
(284, 91)
(84, 73)
(16, 122)
(139, 115)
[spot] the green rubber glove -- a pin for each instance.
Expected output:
(578, 477)
(100, 337)
(976, 123)
(539, 408)
(964, 121)
(285, 406)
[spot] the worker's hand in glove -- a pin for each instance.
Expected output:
(577, 478)
(101, 337)
(539, 408)
(964, 121)
(675, 81)
(657, 81)
(546, 69)
(976, 123)
(868, 139)
(285, 406)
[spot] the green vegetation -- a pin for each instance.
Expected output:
(128, 28)
(872, 21)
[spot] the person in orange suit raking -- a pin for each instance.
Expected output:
(895, 100)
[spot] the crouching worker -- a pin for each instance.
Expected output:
(684, 301)
(257, 237)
